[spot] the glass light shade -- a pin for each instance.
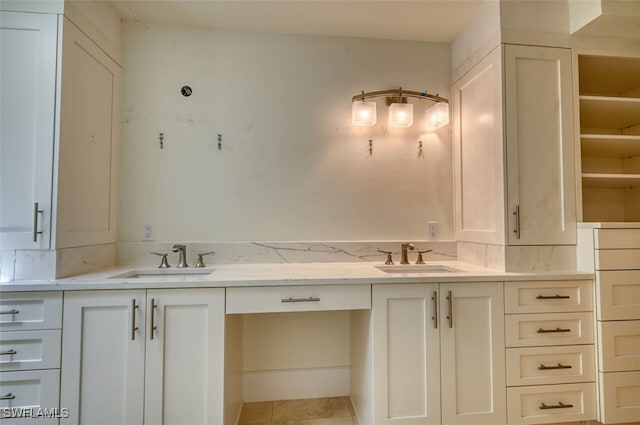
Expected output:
(363, 113)
(437, 116)
(401, 115)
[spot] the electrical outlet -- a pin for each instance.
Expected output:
(432, 231)
(147, 232)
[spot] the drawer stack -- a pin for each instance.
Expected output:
(617, 267)
(30, 332)
(550, 352)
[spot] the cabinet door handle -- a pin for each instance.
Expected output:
(558, 366)
(560, 405)
(553, 297)
(153, 316)
(36, 211)
(134, 328)
(8, 397)
(299, 300)
(450, 307)
(434, 298)
(551, 331)
(516, 229)
(14, 311)
(8, 353)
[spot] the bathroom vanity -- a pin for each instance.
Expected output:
(446, 347)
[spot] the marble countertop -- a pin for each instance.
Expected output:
(230, 275)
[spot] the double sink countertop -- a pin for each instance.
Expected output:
(282, 274)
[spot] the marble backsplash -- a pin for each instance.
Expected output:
(21, 265)
(539, 258)
(139, 253)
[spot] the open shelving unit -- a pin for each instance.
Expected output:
(610, 138)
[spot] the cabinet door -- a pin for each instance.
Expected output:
(478, 152)
(89, 131)
(473, 354)
(406, 354)
(28, 48)
(184, 378)
(540, 146)
(103, 347)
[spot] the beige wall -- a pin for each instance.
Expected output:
(292, 167)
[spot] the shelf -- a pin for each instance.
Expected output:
(609, 112)
(620, 181)
(608, 75)
(610, 146)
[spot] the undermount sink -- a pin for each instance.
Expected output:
(157, 272)
(417, 268)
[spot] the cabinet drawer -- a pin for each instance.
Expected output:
(549, 296)
(29, 311)
(619, 346)
(26, 350)
(618, 259)
(618, 294)
(550, 365)
(35, 389)
(529, 330)
(273, 299)
(617, 238)
(551, 403)
(619, 397)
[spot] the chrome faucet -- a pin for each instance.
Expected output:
(182, 259)
(405, 258)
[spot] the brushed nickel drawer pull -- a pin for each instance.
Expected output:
(516, 229)
(153, 316)
(550, 331)
(450, 306)
(434, 297)
(559, 366)
(8, 397)
(299, 300)
(560, 405)
(36, 211)
(14, 311)
(553, 297)
(8, 353)
(134, 328)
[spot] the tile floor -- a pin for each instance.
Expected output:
(317, 411)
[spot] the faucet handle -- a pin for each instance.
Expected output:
(200, 262)
(420, 260)
(389, 258)
(164, 264)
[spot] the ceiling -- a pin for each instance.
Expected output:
(423, 20)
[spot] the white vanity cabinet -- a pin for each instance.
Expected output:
(30, 357)
(612, 251)
(513, 134)
(144, 356)
(438, 354)
(60, 112)
(549, 330)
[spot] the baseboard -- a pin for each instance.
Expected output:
(292, 384)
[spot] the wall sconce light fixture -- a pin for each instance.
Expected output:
(363, 113)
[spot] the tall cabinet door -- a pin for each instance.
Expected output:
(28, 51)
(472, 354)
(540, 146)
(406, 354)
(185, 357)
(103, 344)
(89, 131)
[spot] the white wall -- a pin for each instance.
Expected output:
(292, 167)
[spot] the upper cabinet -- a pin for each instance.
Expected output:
(59, 135)
(514, 148)
(609, 94)
(28, 46)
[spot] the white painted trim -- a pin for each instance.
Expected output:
(289, 384)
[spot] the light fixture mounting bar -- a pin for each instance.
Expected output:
(399, 93)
